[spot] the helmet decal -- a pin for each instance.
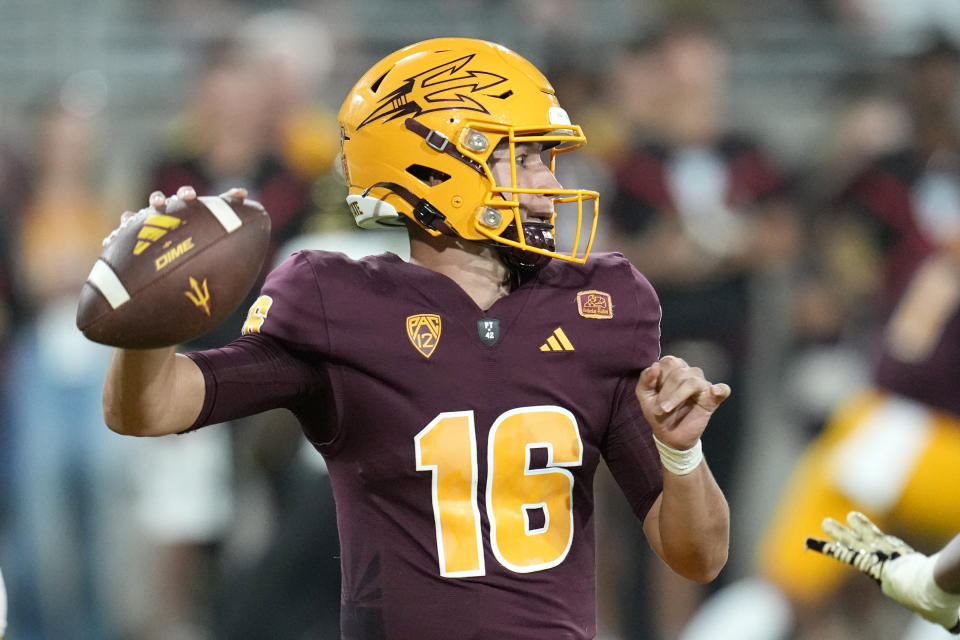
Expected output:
(440, 88)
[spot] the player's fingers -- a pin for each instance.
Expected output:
(829, 548)
(815, 544)
(874, 538)
(839, 532)
(681, 385)
(865, 561)
(649, 379)
(237, 194)
(158, 201)
(124, 218)
(669, 364)
(864, 528)
(834, 550)
(711, 397)
(187, 192)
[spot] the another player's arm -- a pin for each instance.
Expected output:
(689, 524)
(946, 572)
(929, 585)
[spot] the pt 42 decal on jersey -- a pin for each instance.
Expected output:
(423, 329)
(595, 304)
(489, 331)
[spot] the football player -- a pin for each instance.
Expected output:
(891, 450)
(462, 399)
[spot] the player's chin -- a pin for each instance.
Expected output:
(536, 233)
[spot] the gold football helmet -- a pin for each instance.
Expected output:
(419, 127)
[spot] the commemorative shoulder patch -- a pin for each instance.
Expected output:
(595, 304)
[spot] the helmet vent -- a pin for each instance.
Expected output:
(503, 96)
(376, 85)
(427, 175)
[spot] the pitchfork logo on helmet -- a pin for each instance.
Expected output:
(417, 133)
(447, 86)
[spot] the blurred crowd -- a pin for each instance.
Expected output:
(777, 270)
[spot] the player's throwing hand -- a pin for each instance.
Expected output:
(904, 574)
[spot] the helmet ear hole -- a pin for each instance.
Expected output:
(427, 175)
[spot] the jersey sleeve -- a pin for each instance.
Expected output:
(630, 453)
(628, 447)
(255, 373)
(279, 361)
(290, 308)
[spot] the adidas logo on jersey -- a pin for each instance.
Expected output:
(558, 341)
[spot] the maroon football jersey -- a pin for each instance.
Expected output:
(901, 201)
(461, 443)
(920, 350)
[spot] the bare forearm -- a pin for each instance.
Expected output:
(689, 524)
(151, 392)
(694, 524)
(946, 573)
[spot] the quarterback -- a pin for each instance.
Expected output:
(463, 399)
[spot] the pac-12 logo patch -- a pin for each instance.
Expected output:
(423, 329)
(595, 304)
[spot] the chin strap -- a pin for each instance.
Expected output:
(424, 212)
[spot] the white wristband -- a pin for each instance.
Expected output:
(679, 461)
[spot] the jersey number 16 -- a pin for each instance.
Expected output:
(447, 447)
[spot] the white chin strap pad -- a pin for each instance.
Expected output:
(372, 213)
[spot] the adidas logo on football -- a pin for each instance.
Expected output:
(154, 228)
(558, 341)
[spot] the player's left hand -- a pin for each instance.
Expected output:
(677, 400)
(903, 574)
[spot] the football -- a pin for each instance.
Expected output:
(165, 277)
